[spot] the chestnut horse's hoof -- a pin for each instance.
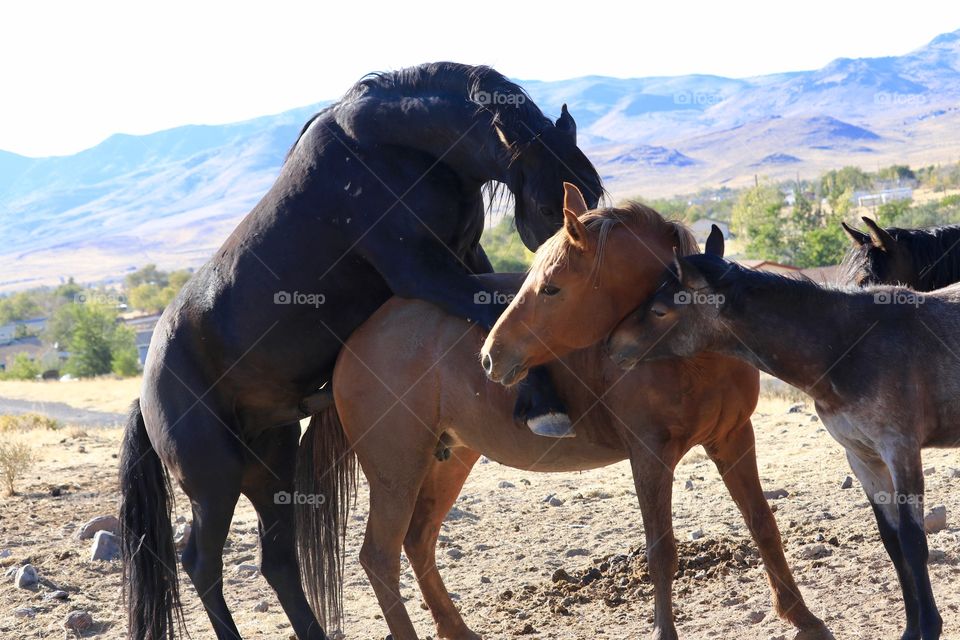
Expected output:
(815, 633)
(552, 425)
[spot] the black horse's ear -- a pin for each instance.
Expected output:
(567, 124)
(715, 244)
(879, 236)
(688, 275)
(859, 237)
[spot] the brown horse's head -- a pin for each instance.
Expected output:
(601, 265)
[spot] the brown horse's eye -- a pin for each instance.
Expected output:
(549, 290)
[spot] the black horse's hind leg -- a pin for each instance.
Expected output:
(267, 483)
(213, 506)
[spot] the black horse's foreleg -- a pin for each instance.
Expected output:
(433, 273)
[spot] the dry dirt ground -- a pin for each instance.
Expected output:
(503, 544)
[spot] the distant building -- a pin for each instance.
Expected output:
(770, 265)
(143, 326)
(702, 227)
(32, 327)
(877, 198)
(47, 358)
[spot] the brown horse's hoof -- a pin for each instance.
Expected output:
(815, 633)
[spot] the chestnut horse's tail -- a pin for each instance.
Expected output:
(326, 481)
(146, 538)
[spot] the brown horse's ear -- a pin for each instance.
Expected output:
(859, 237)
(576, 232)
(573, 199)
(878, 235)
(677, 267)
(715, 244)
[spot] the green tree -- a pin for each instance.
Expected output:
(504, 248)
(125, 359)
(22, 367)
(756, 217)
(91, 340)
(19, 306)
(149, 274)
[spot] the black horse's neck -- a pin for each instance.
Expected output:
(448, 111)
(448, 129)
(792, 329)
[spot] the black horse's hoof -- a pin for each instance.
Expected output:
(552, 425)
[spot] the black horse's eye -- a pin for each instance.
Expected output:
(657, 311)
(549, 290)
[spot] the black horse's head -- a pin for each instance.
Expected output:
(541, 155)
(880, 257)
(537, 172)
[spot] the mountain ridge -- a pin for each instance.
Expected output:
(172, 196)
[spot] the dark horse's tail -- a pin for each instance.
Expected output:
(325, 483)
(149, 557)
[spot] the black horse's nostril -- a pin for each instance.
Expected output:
(487, 363)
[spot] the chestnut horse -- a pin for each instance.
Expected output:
(406, 386)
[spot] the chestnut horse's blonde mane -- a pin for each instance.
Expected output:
(643, 220)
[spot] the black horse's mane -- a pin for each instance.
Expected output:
(520, 117)
(934, 253)
(737, 282)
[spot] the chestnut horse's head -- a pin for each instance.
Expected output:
(584, 280)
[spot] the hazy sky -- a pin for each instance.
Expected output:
(72, 73)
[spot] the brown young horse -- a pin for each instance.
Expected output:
(407, 383)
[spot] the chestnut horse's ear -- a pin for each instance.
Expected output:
(677, 267)
(573, 199)
(878, 235)
(576, 232)
(859, 237)
(567, 124)
(715, 244)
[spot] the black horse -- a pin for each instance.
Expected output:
(382, 194)
(922, 259)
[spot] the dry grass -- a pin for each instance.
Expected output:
(96, 394)
(16, 459)
(27, 422)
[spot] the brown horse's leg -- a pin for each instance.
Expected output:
(653, 477)
(395, 466)
(438, 493)
(736, 460)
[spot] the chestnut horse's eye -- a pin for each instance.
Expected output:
(549, 290)
(658, 309)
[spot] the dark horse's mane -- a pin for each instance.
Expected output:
(934, 253)
(523, 119)
(738, 282)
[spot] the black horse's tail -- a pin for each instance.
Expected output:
(151, 591)
(325, 483)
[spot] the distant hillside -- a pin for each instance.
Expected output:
(173, 196)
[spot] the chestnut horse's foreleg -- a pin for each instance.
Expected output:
(437, 494)
(736, 459)
(652, 467)
(907, 470)
(875, 478)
